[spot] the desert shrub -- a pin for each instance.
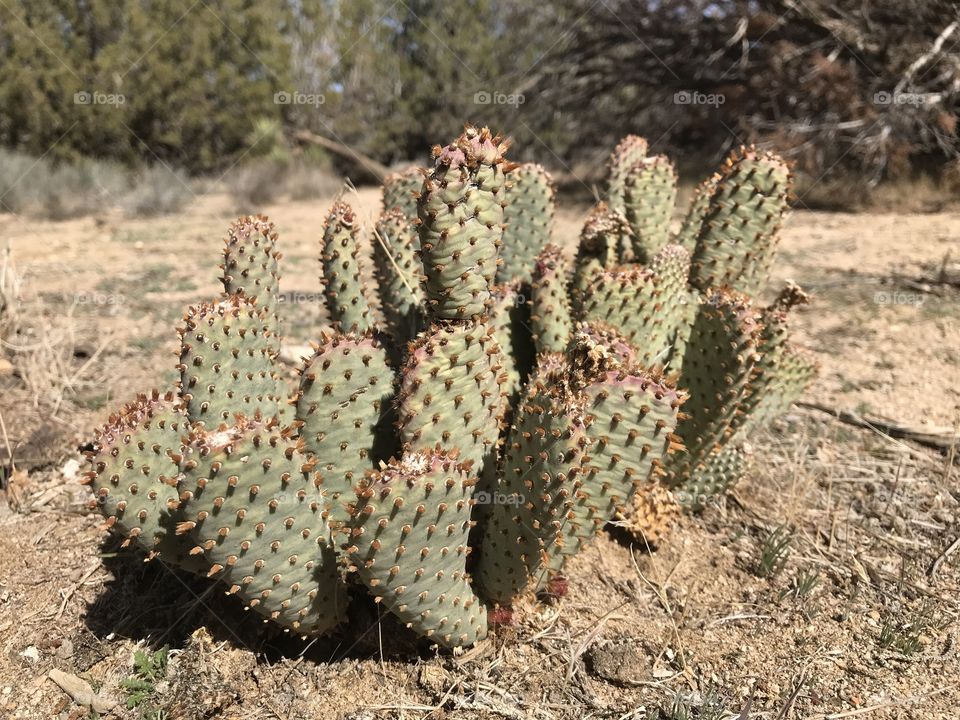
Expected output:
(158, 190)
(38, 187)
(268, 179)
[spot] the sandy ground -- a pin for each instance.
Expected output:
(860, 622)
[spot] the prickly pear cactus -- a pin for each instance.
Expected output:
(342, 277)
(461, 224)
(540, 419)
(408, 543)
(528, 217)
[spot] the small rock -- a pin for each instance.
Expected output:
(65, 650)
(31, 654)
(621, 663)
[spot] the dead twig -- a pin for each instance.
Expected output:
(941, 439)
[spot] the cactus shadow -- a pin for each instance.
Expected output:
(159, 605)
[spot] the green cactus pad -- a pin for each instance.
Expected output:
(345, 390)
(408, 544)
(461, 224)
(508, 332)
(550, 307)
(227, 362)
(528, 216)
(650, 191)
(135, 472)
(452, 394)
(257, 510)
(251, 264)
(717, 366)
(539, 513)
(646, 306)
(400, 191)
(793, 374)
(399, 274)
(721, 469)
(629, 151)
(739, 233)
(699, 206)
(342, 278)
(630, 415)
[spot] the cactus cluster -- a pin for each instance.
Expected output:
(461, 433)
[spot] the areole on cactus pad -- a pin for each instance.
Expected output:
(452, 443)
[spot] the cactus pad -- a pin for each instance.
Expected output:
(135, 473)
(629, 151)
(227, 362)
(528, 216)
(399, 274)
(738, 237)
(257, 511)
(461, 223)
(408, 544)
(342, 272)
(251, 264)
(452, 392)
(345, 390)
(550, 313)
(650, 190)
(400, 191)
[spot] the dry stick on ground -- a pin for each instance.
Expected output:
(941, 439)
(377, 170)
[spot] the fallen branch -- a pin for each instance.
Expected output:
(941, 439)
(376, 170)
